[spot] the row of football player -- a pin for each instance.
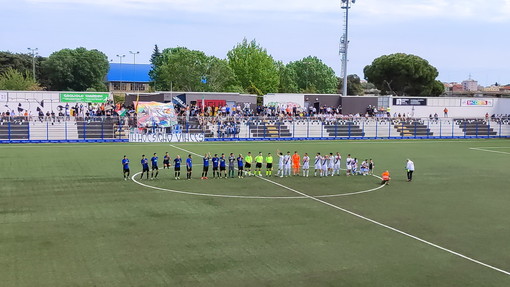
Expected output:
(324, 165)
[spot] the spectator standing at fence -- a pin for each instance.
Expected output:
(445, 111)
(177, 167)
(154, 161)
(410, 169)
(189, 167)
(125, 167)
(145, 166)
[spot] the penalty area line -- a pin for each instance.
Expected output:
(377, 223)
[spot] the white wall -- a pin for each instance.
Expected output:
(284, 99)
(31, 100)
(457, 107)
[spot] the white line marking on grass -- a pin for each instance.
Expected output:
(382, 225)
(248, 196)
(488, 150)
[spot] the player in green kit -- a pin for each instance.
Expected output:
(248, 159)
(259, 159)
(269, 165)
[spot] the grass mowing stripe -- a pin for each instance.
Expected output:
(375, 222)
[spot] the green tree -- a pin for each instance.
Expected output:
(354, 86)
(190, 70)
(313, 76)
(12, 79)
(21, 63)
(402, 74)
(220, 77)
(155, 64)
(255, 69)
(288, 79)
(76, 70)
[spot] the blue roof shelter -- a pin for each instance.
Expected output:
(138, 73)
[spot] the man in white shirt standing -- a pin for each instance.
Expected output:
(410, 169)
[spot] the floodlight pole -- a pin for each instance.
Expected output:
(344, 43)
(120, 62)
(134, 64)
(33, 51)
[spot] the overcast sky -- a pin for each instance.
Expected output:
(459, 37)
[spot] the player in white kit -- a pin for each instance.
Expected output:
(286, 164)
(336, 163)
(306, 164)
(348, 165)
(324, 165)
(317, 164)
(280, 164)
(330, 164)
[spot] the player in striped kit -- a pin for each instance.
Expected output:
(317, 164)
(324, 165)
(337, 160)
(306, 164)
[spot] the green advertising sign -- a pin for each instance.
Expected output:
(84, 97)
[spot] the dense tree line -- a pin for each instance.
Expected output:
(65, 70)
(247, 68)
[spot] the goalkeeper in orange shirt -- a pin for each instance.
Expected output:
(296, 162)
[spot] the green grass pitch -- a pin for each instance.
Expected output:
(69, 219)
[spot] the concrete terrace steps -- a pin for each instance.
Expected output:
(14, 130)
(412, 128)
(476, 128)
(345, 129)
(266, 129)
(49, 130)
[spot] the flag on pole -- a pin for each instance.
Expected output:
(137, 99)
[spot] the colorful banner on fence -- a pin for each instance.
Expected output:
(84, 97)
(477, 102)
(154, 114)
